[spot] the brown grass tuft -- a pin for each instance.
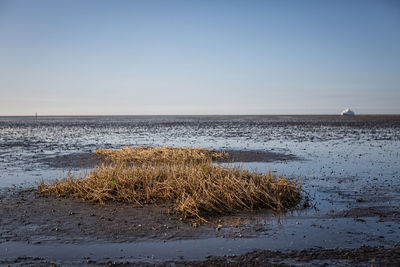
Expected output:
(190, 183)
(159, 154)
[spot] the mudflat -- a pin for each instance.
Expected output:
(349, 169)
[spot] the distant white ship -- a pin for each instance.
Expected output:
(347, 112)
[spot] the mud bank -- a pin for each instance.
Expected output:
(45, 230)
(363, 256)
(89, 160)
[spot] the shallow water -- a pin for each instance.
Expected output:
(198, 249)
(344, 164)
(24, 141)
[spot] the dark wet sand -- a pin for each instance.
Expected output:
(89, 160)
(26, 217)
(35, 220)
(363, 256)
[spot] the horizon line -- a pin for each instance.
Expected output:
(198, 115)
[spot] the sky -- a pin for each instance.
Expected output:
(199, 57)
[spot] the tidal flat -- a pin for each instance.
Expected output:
(348, 168)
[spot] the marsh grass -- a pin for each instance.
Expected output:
(159, 154)
(190, 183)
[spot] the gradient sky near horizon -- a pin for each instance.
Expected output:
(199, 57)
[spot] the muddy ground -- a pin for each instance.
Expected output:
(88, 160)
(26, 217)
(348, 166)
(29, 218)
(363, 256)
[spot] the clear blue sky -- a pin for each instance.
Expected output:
(199, 57)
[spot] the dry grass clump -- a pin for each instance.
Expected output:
(194, 189)
(159, 154)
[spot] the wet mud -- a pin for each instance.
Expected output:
(363, 256)
(348, 166)
(27, 217)
(89, 160)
